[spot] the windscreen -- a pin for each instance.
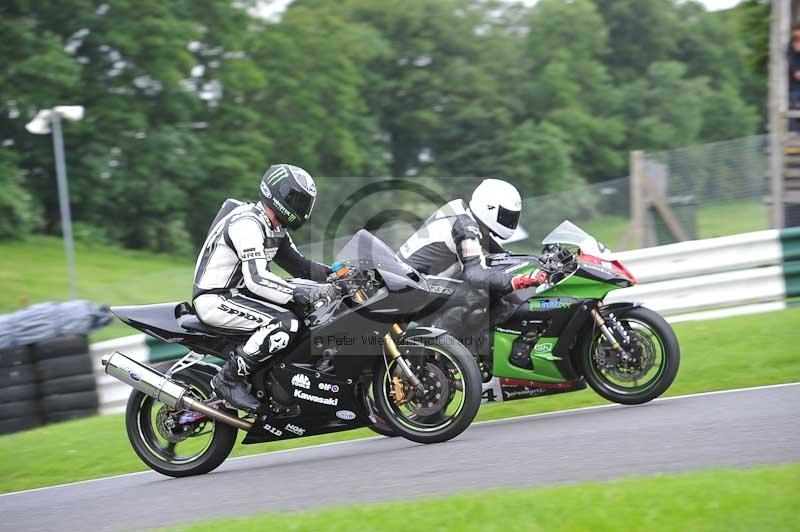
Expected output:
(368, 251)
(569, 233)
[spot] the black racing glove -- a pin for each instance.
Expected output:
(308, 294)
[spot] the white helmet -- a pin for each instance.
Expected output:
(497, 205)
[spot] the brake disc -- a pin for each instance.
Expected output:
(435, 392)
(168, 427)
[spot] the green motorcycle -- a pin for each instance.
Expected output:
(560, 336)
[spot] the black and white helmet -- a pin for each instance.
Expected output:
(497, 205)
(290, 192)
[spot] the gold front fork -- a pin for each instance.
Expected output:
(606, 331)
(398, 391)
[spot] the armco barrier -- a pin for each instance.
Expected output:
(699, 279)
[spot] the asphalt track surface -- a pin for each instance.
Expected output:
(739, 428)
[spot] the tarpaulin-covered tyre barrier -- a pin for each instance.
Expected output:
(59, 347)
(23, 392)
(73, 384)
(56, 368)
(46, 372)
(15, 356)
(16, 375)
(61, 402)
(7, 426)
(66, 415)
(19, 409)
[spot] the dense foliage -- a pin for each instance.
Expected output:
(188, 101)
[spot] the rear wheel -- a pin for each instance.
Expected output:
(178, 443)
(653, 357)
(445, 403)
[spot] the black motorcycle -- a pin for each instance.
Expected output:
(420, 381)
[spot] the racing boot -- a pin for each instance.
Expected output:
(231, 381)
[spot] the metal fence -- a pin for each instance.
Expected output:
(714, 189)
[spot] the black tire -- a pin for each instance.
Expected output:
(224, 436)
(54, 368)
(15, 356)
(61, 402)
(19, 409)
(67, 415)
(671, 357)
(74, 384)
(18, 424)
(61, 347)
(23, 392)
(383, 429)
(472, 385)
(17, 375)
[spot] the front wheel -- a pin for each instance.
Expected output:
(446, 401)
(648, 368)
(178, 443)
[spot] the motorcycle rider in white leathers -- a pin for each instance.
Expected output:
(454, 241)
(234, 289)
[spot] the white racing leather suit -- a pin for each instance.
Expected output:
(235, 290)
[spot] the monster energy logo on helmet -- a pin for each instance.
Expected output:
(277, 176)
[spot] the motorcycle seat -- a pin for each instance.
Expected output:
(188, 320)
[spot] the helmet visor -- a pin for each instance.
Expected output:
(507, 218)
(300, 202)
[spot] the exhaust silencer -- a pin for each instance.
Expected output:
(158, 386)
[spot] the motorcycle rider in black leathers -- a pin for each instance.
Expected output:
(454, 241)
(234, 288)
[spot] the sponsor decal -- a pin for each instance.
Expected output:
(134, 376)
(242, 368)
(301, 381)
(328, 387)
(295, 429)
(346, 415)
(545, 350)
(278, 341)
(236, 312)
(549, 303)
(470, 247)
(265, 190)
(283, 210)
(441, 290)
(269, 428)
(332, 401)
(517, 388)
(247, 255)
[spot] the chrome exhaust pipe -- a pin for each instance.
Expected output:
(161, 388)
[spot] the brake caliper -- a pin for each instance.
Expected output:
(398, 391)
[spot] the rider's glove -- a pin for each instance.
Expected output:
(308, 294)
(519, 282)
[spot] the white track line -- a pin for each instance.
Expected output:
(527, 416)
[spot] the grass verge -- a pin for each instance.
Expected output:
(719, 354)
(754, 499)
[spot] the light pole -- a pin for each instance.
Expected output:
(45, 121)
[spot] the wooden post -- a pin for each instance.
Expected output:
(638, 206)
(780, 20)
